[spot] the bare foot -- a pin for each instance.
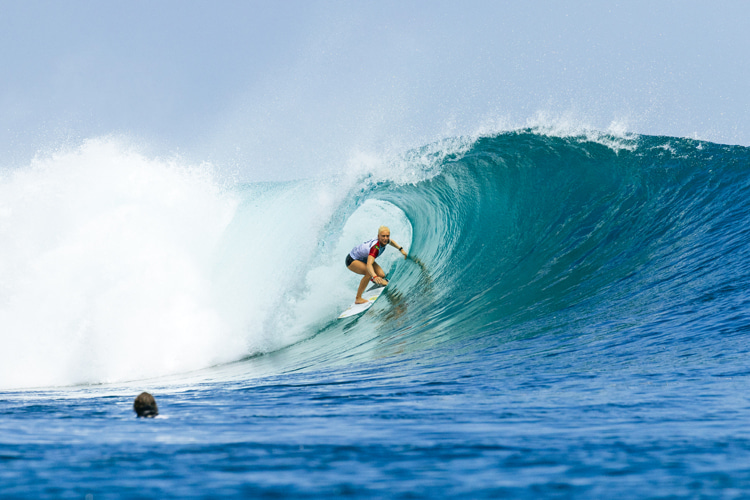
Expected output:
(359, 301)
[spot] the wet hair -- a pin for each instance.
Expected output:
(383, 228)
(145, 405)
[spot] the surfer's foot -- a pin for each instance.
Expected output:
(359, 300)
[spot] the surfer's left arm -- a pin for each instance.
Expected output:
(400, 248)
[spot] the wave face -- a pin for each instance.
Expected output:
(535, 234)
(633, 244)
(139, 268)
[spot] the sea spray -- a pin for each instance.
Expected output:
(106, 265)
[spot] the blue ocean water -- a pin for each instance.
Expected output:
(572, 322)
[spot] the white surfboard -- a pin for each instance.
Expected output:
(370, 296)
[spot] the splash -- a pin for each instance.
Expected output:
(106, 267)
(115, 266)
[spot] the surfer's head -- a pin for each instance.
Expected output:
(145, 405)
(384, 235)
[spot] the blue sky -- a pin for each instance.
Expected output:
(283, 89)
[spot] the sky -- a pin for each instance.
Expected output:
(282, 90)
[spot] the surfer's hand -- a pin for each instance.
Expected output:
(380, 281)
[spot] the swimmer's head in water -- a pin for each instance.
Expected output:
(145, 405)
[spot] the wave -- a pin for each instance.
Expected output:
(116, 267)
(532, 233)
(589, 239)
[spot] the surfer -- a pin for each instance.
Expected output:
(361, 260)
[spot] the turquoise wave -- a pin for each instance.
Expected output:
(603, 239)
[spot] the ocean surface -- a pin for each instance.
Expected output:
(573, 321)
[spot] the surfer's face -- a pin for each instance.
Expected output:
(384, 238)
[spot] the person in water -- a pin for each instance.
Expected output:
(145, 405)
(361, 260)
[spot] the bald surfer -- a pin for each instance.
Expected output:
(361, 260)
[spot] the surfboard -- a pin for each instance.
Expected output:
(370, 296)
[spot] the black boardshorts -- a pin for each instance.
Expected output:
(350, 259)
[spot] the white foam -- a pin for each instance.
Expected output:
(404, 167)
(615, 137)
(105, 267)
(116, 267)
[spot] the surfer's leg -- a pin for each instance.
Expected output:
(378, 270)
(362, 285)
(359, 267)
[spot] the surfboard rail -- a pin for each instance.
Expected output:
(370, 295)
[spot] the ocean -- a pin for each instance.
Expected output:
(572, 322)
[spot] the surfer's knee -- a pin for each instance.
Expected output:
(145, 405)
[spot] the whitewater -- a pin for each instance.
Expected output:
(571, 321)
